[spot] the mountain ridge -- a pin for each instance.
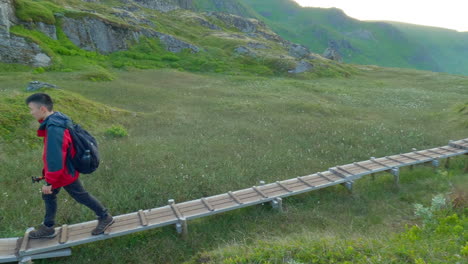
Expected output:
(316, 28)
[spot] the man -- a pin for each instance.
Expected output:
(58, 169)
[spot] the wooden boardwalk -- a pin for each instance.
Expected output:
(23, 249)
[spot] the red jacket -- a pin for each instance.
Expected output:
(58, 150)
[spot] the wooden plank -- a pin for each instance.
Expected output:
(435, 152)
(283, 186)
(247, 195)
(234, 197)
(143, 220)
(161, 219)
(304, 182)
(63, 234)
(24, 242)
(207, 204)
(271, 187)
(449, 150)
(352, 169)
(409, 157)
(296, 184)
(337, 173)
(223, 200)
(379, 163)
(361, 166)
(394, 160)
(260, 192)
(220, 205)
(176, 211)
(325, 177)
(346, 171)
(159, 211)
(191, 206)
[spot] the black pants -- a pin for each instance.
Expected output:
(78, 193)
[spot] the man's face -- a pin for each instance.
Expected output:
(37, 111)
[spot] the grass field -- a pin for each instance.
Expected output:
(194, 135)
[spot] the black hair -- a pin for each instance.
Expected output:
(41, 99)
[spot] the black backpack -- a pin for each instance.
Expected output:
(86, 159)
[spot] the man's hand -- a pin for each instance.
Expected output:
(47, 189)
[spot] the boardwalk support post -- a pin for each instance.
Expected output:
(373, 174)
(25, 260)
(348, 185)
(435, 163)
(277, 204)
(447, 163)
(182, 228)
(181, 225)
(412, 166)
(395, 171)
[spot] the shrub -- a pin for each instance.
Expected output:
(116, 131)
(98, 75)
(35, 11)
(39, 70)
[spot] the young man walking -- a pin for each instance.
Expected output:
(58, 169)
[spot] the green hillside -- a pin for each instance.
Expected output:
(185, 125)
(386, 44)
(216, 47)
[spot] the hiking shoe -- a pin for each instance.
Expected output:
(102, 225)
(43, 232)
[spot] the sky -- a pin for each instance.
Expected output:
(452, 14)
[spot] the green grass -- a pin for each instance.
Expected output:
(36, 11)
(194, 135)
(444, 241)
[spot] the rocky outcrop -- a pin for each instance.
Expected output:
(131, 18)
(36, 85)
(47, 29)
(230, 7)
(361, 34)
(297, 50)
(16, 49)
(207, 24)
(160, 5)
(332, 54)
(165, 5)
(97, 34)
(255, 45)
(94, 34)
(19, 50)
(302, 66)
(244, 51)
(246, 25)
(252, 27)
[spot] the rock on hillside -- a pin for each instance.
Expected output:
(16, 49)
(97, 34)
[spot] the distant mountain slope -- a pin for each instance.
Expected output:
(99, 34)
(388, 44)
